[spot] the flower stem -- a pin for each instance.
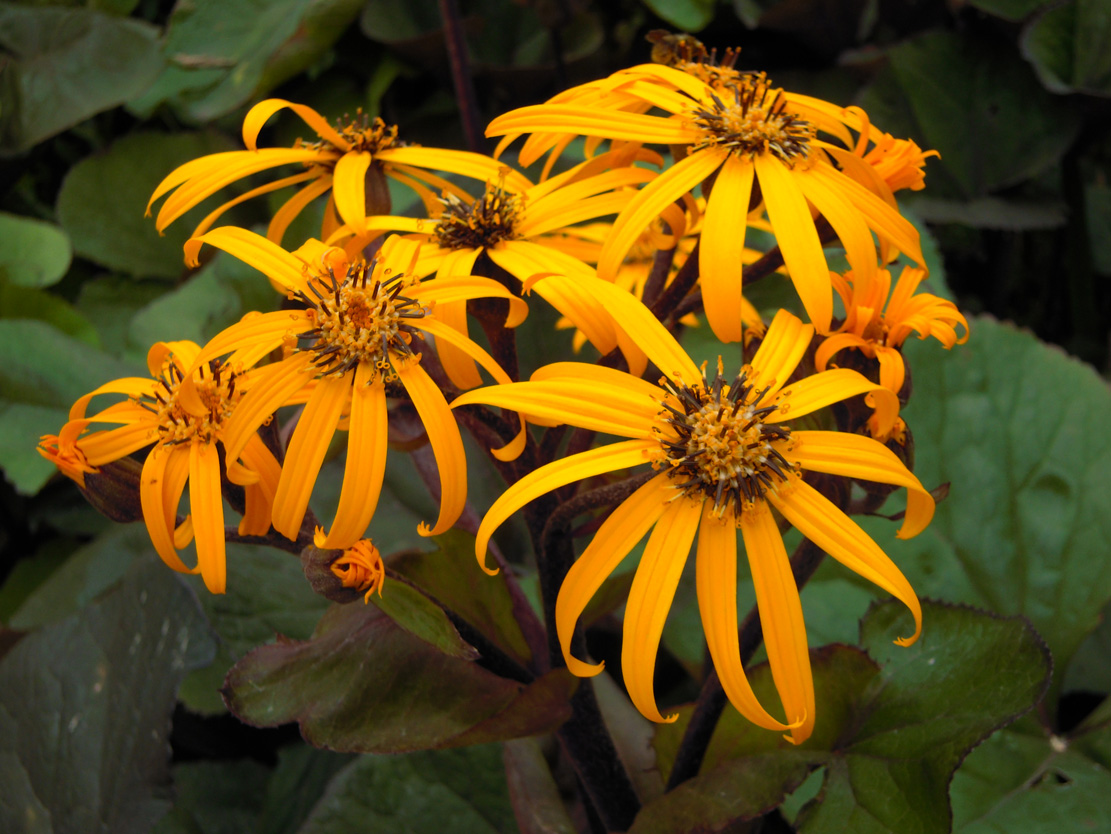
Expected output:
(461, 76)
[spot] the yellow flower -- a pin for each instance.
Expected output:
(760, 144)
(344, 159)
(898, 163)
(184, 411)
(727, 457)
(520, 231)
(360, 567)
(878, 332)
(357, 336)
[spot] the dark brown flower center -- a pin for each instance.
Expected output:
(751, 117)
(487, 222)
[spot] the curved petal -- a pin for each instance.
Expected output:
(554, 475)
(255, 250)
(650, 201)
(619, 534)
(366, 460)
(265, 331)
(722, 246)
(206, 508)
(452, 311)
(306, 451)
(611, 124)
(852, 231)
(828, 387)
(447, 445)
(779, 354)
(584, 403)
(270, 187)
(599, 373)
(258, 115)
(716, 581)
(892, 370)
(797, 238)
(165, 472)
(294, 206)
(270, 389)
(441, 290)
(819, 519)
(349, 189)
(777, 599)
(469, 164)
(832, 345)
(856, 456)
(650, 598)
(106, 446)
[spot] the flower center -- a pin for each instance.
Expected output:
(360, 316)
(487, 222)
(363, 133)
(750, 117)
(717, 444)
(200, 413)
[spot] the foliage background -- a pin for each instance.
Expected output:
(100, 646)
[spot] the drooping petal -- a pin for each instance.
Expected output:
(650, 598)
(599, 373)
(366, 460)
(447, 445)
(856, 456)
(819, 519)
(852, 231)
(469, 164)
(777, 599)
(612, 124)
(294, 206)
(269, 188)
(306, 452)
(828, 387)
(349, 189)
(716, 582)
(797, 238)
(619, 534)
(253, 249)
(264, 331)
(554, 475)
(258, 115)
(452, 311)
(722, 245)
(461, 287)
(832, 345)
(206, 508)
(270, 390)
(106, 446)
(164, 471)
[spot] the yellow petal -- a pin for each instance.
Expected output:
(253, 249)
(612, 124)
(852, 231)
(828, 387)
(270, 187)
(366, 461)
(554, 475)
(306, 451)
(106, 446)
(264, 331)
(619, 534)
(469, 164)
(272, 387)
(349, 189)
(777, 599)
(206, 508)
(783, 347)
(447, 445)
(797, 238)
(457, 287)
(650, 201)
(721, 246)
(598, 373)
(716, 581)
(258, 115)
(650, 598)
(817, 518)
(161, 483)
(856, 456)
(294, 206)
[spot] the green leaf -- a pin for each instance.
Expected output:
(421, 617)
(462, 791)
(1070, 47)
(221, 55)
(687, 15)
(67, 65)
(361, 683)
(1015, 782)
(1013, 10)
(1097, 210)
(992, 213)
(300, 779)
(27, 303)
(32, 253)
(110, 302)
(1022, 433)
(103, 198)
(85, 709)
(963, 97)
(451, 576)
(533, 790)
(969, 674)
(23, 466)
(216, 797)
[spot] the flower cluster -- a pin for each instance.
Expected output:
(374, 321)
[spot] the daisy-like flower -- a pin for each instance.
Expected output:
(878, 331)
(350, 159)
(727, 456)
(758, 145)
(358, 334)
(184, 411)
(521, 232)
(897, 163)
(360, 567)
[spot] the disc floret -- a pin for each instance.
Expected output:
(196, 412)
(362, 133)
(717, 445)
(360, 314)
(488, 221)
(751, 117)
